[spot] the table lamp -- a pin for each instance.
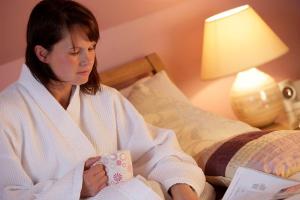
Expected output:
(238, 40)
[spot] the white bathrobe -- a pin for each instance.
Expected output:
(43, 147)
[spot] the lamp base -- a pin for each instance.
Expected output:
(256, 98)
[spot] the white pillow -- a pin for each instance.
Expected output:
(126, 91)
(219, 145)
(162, 104)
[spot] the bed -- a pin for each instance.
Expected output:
(219, 145)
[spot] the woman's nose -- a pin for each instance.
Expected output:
(84, 59)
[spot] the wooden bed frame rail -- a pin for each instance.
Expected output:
(124, 75)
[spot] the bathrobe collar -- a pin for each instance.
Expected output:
(66, 121)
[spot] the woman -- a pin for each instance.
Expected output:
(57, 119)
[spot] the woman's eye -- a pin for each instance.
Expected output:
(92, 48)
(74, 52)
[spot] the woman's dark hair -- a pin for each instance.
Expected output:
(47, 24)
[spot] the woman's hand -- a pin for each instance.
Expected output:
(183, 191)
(94, 178)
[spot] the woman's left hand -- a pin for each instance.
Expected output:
(183, 191)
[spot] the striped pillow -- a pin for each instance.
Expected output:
(276, 152)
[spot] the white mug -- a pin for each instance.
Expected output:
(118, 166)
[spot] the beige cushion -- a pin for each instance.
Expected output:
(164, 105)
(218, 144)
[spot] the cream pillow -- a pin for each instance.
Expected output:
(162, 104)
(126, 91)
(219, 145)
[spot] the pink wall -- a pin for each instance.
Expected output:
(173, 29)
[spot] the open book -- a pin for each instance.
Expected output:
(249, 184)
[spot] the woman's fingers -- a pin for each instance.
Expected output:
(98, 168)
(99, 173)
(102, 182)
(94, 178)
(102, 186)
(96, 173)
(89, 162)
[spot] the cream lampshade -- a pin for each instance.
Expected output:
(238, 40)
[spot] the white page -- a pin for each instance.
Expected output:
(249, 184)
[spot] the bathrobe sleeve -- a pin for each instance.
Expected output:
(16, 184)
(156, 153)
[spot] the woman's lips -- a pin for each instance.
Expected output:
(84, 72)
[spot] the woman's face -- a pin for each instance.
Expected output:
(73, 57)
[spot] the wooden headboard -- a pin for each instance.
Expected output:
(124, 75)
